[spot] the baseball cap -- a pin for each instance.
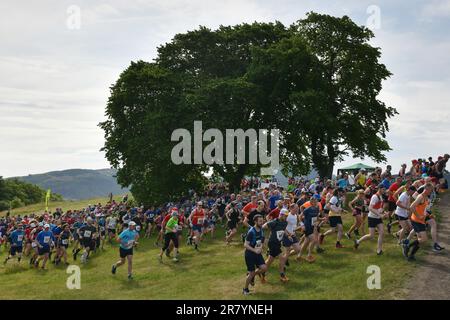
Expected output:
(317, 196)
(131, 223)
(46, 226)
(284, 212)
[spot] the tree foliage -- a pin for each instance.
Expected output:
(16, 193)
(317, 81)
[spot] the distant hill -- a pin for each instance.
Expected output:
(78, 184)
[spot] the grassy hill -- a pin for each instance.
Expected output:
(216, 272)
(78, 183)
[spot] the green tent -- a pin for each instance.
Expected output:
(355, 168)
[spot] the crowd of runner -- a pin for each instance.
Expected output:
(297, 220)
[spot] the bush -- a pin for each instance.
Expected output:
(4, 205)
(17, 203)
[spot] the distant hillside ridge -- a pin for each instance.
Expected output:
(78, 184)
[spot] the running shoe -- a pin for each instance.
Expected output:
(339, 245)
(389, 226)
(405, 250)
(283, 278)
(348, 235)
(379, 253)
(355, 244)
(411, 258)
(113, 269)
(245, 292)
(320, 250)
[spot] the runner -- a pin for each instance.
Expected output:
(150, 220)
(44, 241)
(76, 237)
(290, 240)
(335, 219)
(170, 235)
(128, 238)
(418, 215)
(277, 229)
(87, 235)
(402, 213)
(232, 216)
(360, 179)
(357, 207)
(63, 244)
(375, 220)
(392, 203)
(254, 260)
(16, 238)
(310, 217)
(197, 218)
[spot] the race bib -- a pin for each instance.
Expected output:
(280, 235)
(179, 228)
(314, 220)
(258, 244)
(19, 237)
(87, 233)
(33, 245)
(65, 241)
(46, 239)
(130, 243)
(200, 220)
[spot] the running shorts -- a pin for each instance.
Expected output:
(334, 221)
(374, 222)
(418, 227)
(253, 260)
(125, 252)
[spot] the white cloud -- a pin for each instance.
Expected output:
(439, 8)
(54, 82)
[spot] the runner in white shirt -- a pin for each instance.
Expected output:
(402, 213)
(111, 225)
(375, 220)
(290, 240)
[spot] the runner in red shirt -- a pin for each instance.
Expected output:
(250, 206)
(275, 212)
(392, 202)
(197, 218)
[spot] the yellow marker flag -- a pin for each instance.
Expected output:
(47, 199)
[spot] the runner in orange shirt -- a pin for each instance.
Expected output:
(418, 216)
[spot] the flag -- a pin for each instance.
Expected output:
(47, 199)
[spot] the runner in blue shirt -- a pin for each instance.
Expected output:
(128, 239)
(16, 238)
(44, 240)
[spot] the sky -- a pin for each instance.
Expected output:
(58, 59)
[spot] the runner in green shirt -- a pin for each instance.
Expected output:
(171, 235)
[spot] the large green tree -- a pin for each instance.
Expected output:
(348, 116)
(316, 81)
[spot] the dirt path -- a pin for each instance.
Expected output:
(432, 280)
